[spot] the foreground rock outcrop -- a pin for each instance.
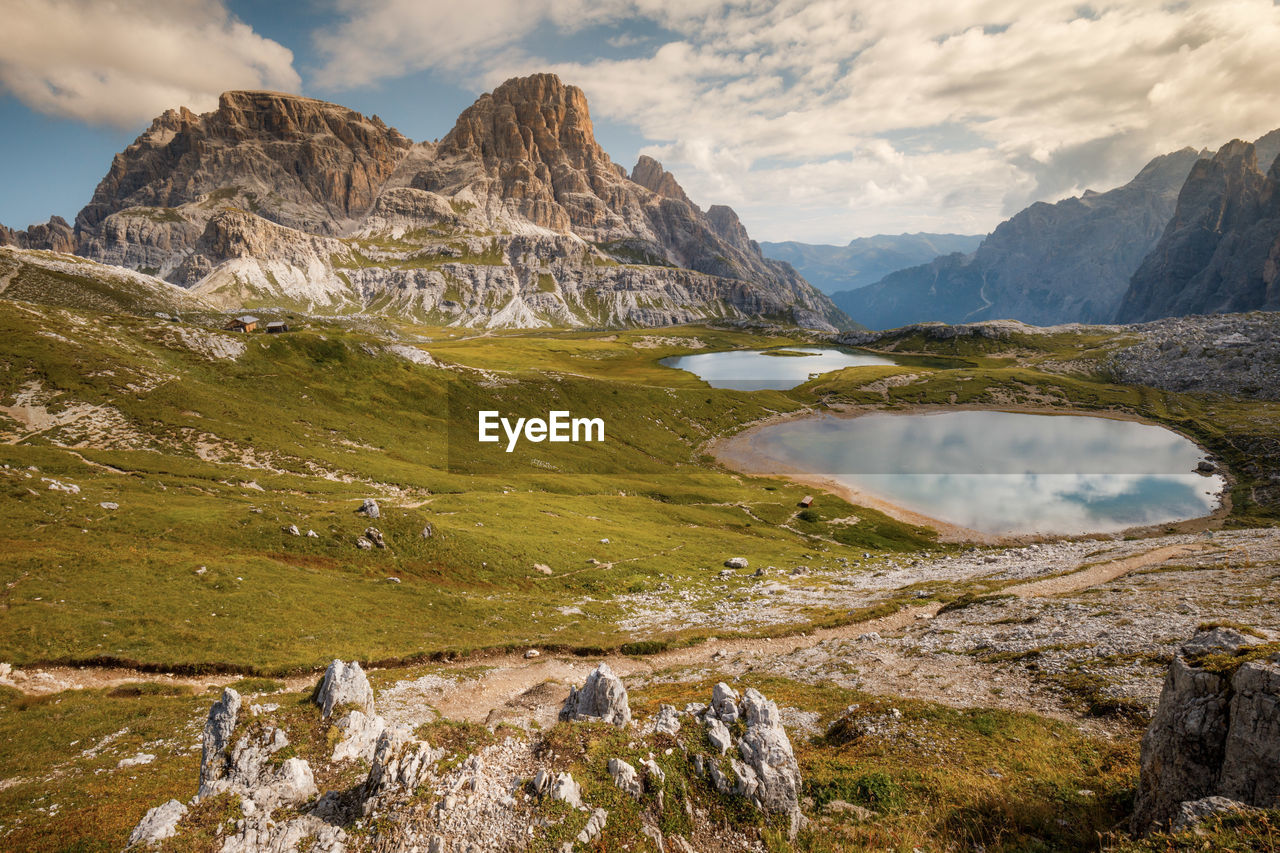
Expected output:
(768, 774)
(407, 794)
(1216, 733)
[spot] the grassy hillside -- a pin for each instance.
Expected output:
(152, 470)
(212, 445)
(209, 460)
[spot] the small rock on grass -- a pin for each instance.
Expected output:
(840, 807)
(595, 825)
(566, 790)
(158, 824)
(625, 777)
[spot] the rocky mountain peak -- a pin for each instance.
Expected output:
(725, 223)
(287, 117)
(278, 196)
(1268, 149)
(536, 118)
(1218, 187)
(1070, 261)
(302, 162)
(649, 174)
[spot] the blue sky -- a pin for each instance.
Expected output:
(818, 121)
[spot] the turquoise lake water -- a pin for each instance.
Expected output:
(756, 370)
(1004, 472)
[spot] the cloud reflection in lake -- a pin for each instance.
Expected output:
(1004, 472)
(760, 370)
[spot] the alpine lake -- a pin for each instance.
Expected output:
(995, 472)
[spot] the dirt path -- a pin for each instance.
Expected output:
(508, 677)
(511, 676)
(1101, 573)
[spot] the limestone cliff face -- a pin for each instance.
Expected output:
(1221, 251)
(298, 161)
(517, 217)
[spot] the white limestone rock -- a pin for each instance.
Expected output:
(158, 824)
(719, 735)
(625, 777)
(344, 684)
(602, 697)
(724, 699)
(360, 733)
(218, 728)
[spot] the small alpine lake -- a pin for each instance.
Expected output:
(1002, 473)
(769, 369)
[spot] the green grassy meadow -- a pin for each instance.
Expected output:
(208, 461)
(211, 460)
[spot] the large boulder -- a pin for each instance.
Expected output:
(344, 685)
(218, 728)
(1216, 732)
(1251, 760)
(602, 698)
(766, 749)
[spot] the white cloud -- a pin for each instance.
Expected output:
(125, 62)
(823, 119)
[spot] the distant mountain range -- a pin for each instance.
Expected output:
(516, 217)
(1221, 251)
(866, 260)
(1191, 233)
(1051, 263)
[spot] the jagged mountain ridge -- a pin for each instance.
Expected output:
(56, 235)
(866, 260)
(1049, 264)
(516, 218)
(1221, 250)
